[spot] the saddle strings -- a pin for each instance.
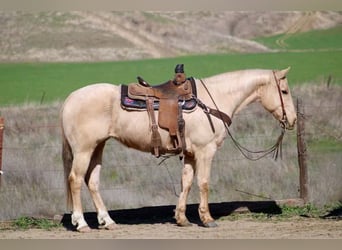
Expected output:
(276, 149)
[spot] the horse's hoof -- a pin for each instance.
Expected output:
(184, 224)
(85, 229)
(110, 227)
(210, 224)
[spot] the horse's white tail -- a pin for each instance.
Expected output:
(67, 157)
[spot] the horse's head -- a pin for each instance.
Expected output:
(276, 98)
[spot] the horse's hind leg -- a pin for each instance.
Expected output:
(76, 178)
(93, 181)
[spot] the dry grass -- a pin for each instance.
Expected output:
(33, 183)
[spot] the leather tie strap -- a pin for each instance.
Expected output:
(215, 112)
(223, 116)
(155, 137)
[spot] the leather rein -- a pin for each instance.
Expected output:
(283, 120)
(276, 149)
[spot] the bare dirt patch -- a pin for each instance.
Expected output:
(294, 228)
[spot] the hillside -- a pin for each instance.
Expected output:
(111, 36)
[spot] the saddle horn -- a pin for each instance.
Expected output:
(179, 74)
(179, 68)
(143, 82)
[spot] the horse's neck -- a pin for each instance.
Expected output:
(234, 91)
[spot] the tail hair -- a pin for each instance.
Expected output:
(67, 157)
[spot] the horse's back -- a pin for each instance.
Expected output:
(91, 92)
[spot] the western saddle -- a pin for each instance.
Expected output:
(170, 96)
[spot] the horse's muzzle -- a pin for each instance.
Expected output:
(285, 124)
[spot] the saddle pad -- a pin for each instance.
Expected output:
(136, 104)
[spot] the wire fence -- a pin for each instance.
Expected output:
(142, 160)
(33, 177)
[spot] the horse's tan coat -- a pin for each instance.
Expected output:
(93, 114)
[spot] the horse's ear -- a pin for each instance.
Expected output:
(284, 72)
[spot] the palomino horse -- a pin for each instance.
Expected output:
(93, 114)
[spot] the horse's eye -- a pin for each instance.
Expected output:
(285, 92)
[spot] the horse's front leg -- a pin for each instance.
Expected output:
(187, 179)
(203, 167)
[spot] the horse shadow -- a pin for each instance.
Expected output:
(334, 214)
(165, 214)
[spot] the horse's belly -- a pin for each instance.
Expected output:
(133, 129)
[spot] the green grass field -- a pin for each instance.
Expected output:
(313, 56)
(45, 82)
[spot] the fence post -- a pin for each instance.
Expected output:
(302, 153)
(2, 125)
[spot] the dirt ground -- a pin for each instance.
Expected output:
(158, 223)
(239, 229)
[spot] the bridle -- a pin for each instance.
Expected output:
(283, 120)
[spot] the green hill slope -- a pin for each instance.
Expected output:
(330, 39)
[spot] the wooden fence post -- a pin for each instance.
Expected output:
(2, 125)
(302, 153)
